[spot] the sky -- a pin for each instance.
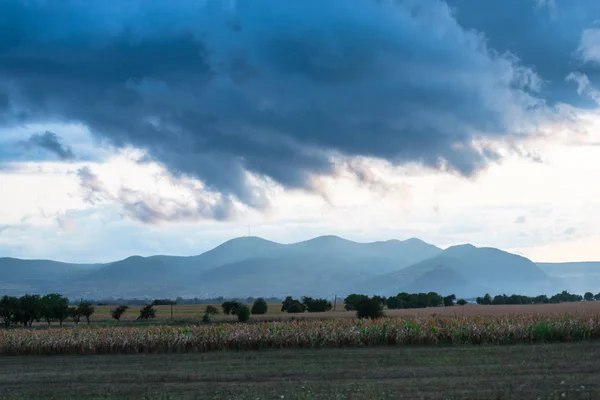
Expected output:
(133, 127)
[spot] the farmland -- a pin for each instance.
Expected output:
(191, 312)
(558, 371)
(303, 333)
(441, 352)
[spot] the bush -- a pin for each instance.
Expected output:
(260, 306)
(351, 300)
(116, 313)
(147, 312)
(485, 300)
(369, 308)
(86, 309)
(230, 307)
(243, 313)
(393, 303)
(291, 305)
(206, 318)
(449, 300)
(75, 314)
(316, 305)
(296, 308)
(211, 310)
(461, 302)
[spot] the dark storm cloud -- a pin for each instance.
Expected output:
(50, 142)
(214, 89)
(547, 35)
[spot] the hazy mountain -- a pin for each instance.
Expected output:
(465, 270)
(19, 276)
(580, 277)
(323, 266)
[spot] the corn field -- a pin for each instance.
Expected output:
(427, 330)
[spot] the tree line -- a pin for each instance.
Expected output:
(53, 307)
(562, 297)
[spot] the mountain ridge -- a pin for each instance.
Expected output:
(319, 266)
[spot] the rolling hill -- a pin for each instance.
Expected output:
(465, 270)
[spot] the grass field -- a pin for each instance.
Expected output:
(196, 311)
(557, 371)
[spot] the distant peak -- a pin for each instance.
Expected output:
(244, 241)
(330, 237)
(247, 239)
(413, 240)
(462, 246)
(130, 258)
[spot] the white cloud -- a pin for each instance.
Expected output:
(589, 47)
(43, 212)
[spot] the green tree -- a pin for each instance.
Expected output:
(211, 310)
(230, 307)
(316, 305)
(118, 312)
(86, 309)
(369, 308)
(597, 297)
(55, 307)
(485, 300)
(461, 302)
(449, 300)
(352, 300)
(260, 306)
(296, 307)
(393, 303)
(9, 309)
(588, 296)
(291, 305)
(147, 312)
(75, 314)
(243, 313)
(30, 309)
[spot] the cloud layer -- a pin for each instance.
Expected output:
(216, 89)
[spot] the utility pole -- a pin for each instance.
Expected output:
(171, 311)
(334, 302)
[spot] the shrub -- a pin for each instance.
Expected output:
(118, 312)
(291, 305)
(316, 305)
(86, 309)
(449, 300)
(369, 308)
(296, 308)
(351, 300)
(461, 302)
(394, 303)
(206, 318)
(211, 310)
(147, 312)
(243, 313)
(485, 300)
(230, 307)
(260, 306)
(75, 314)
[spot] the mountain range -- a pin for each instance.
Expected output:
(324, 266)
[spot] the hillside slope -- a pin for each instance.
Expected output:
(465, 270)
